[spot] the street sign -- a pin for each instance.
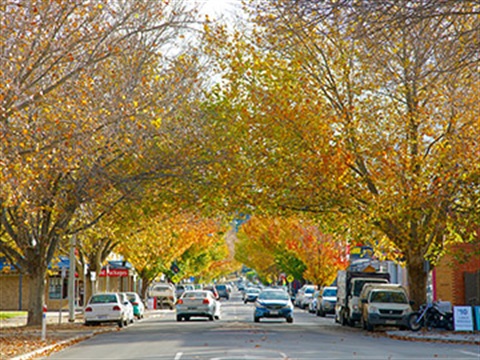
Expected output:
(175, 278)
(290, 278)
(463, 318)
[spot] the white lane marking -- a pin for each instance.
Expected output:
(178, 356)
(470, 353)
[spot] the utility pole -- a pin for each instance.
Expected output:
(71, 281)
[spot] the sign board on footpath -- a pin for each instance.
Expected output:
(463, 318)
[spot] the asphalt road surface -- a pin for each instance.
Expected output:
(236, 337)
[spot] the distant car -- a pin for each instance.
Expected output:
(106, 307)
(273, 303)
(223, 291)
(251, 294)
(213, 290)
(304, 296)
(312, 306)
(137, 303)
(326, 301)
(181, 288)
(197, 303)
(164, 294)
(128, 305)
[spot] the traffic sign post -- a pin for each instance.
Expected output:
(44, 322)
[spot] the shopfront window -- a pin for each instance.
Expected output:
(55, 289)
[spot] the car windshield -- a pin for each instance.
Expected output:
(359, 284)
(103, 299)
(131, 297)
(330, 292)
(221, 287)
(254, 291)
(309, 291)
(273, 295)
(388, 297)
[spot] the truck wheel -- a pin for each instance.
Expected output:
(290, 320)
(256, 319)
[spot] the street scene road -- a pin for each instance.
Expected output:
(236, 336)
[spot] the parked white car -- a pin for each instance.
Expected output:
(304, 296)
(326, 301)
(106, 307)
(129, 307)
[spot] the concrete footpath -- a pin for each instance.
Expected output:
(77, 332)
(436, 335)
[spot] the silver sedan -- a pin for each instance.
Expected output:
(197, 303)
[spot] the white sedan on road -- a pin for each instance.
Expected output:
(197, 303)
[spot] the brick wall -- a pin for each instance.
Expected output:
(449, 275)
(10, 292)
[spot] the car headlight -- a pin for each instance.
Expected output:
(259, 305)
(372, 309)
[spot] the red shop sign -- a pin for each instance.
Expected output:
(114, 273)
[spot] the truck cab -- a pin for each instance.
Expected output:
(349, 287)
(384, 304)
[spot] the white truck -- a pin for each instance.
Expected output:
(349, 287)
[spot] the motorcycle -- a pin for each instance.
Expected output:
(430, 316)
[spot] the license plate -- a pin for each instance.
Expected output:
(390, 322)
(273, 312)
(192, 308)
(101, 317)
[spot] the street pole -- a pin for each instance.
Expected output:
(71, 281)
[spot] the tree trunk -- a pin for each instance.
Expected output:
(417, 280)
(145, 284)
(36, 296)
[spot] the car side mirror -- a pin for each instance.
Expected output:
(126, 303)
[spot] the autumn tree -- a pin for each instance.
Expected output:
(87, 91)
(343, 114)
(290, 245)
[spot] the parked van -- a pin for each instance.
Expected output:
(384, 304)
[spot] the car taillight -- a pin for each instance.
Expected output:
(88, 309)
(206, 301)
(180, 301)
(116, 308)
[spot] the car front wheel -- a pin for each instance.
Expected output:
(290, 320)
